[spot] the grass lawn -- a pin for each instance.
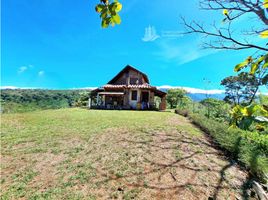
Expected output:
(95, 154)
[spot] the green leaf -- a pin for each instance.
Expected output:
(256, 64)
(116, 19)
(115, 6)
(103, 14)
(225, 12)
(105, 22)
(265, 65)
(251, 109)
(99, 8)
(265, 3)
(264, 34)
(118, 6)
(254, 68)
(265, 79)
(240, 66)
(243, 64)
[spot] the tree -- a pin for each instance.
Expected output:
(82, 101)
(246, 116)
(216, 108)
(175, 96)
(240, 88)
(225, 37)
(185, 101)
(258, 68)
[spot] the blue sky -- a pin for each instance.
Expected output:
(60, 44)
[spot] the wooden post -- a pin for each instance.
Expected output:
(98, 99)
(163, 104)
(89, 102)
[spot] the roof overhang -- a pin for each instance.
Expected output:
(159, 93)
(111, 93)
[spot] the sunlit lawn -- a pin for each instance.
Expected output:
(98, 154)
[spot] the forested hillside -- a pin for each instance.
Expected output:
(23, 100)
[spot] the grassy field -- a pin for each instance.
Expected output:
(82, 154)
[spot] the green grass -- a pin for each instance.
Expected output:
(25, 136)
(98, 154)
(44, 126)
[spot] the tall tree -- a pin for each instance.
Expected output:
(240, 88)
(175, 96)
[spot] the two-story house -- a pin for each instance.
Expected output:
(129, 89)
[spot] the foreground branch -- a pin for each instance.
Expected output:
(224, 37)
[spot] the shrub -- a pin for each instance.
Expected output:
(250, 148)
(182, 112)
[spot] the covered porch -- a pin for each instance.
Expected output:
(107, 100)
(127, 98)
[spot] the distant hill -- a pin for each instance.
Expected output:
(198, 94)
(24, 100)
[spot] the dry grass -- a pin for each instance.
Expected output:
(80, 154)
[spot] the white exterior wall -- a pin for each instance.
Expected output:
(133, 103)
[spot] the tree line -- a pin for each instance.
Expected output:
(23, 100)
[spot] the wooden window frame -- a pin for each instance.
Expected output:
(132, 95)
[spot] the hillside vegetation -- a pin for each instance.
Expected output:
(25, 100)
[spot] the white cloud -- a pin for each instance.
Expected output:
(22, 69)
(84, 88)
(10, 87)
(150, 34)
(193, 90)
(171, 51)
(41, 73)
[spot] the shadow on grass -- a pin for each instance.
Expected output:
(163, 167)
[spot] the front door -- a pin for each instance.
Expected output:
(145, 97)
(133, 99)
(145, 100)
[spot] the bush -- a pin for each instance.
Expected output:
(182, 112)
(250, 148)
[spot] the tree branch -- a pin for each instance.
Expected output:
(224, 36)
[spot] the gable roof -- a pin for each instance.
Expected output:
(127, 68)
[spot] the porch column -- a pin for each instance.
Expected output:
(104, 100)
(163, 104)
(89, 102)
(98, 99)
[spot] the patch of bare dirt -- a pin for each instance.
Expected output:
(46, 167)
(159, 165)
(138, 164)
(173, 121)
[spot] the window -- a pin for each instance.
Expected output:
(134, 81)
(134, 95)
